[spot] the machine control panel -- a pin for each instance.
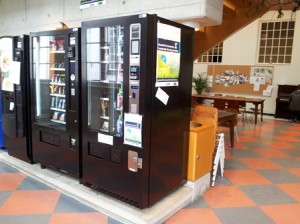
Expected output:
(134, 68)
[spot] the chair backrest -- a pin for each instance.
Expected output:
(219, 104)
(233, 110)
(206, 112)
(234, 104)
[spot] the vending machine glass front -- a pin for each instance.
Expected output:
(105, 79)
(50, 81)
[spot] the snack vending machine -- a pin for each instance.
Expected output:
(14, 69)
(55, 85)
(136, 94)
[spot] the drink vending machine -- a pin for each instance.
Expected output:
(55, 85)
(14, 69)
(136, 95)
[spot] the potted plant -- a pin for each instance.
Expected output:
(200, 83)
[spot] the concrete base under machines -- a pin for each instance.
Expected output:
(118, 210)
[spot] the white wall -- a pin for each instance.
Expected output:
(241, 49)
(25, 16)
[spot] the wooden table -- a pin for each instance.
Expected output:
(254, 101)
(228, 117)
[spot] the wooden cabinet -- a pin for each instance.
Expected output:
(282, 101)
(201, 148)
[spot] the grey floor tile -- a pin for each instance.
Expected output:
(293, 152)
(198, 203)
(4, 195)
(234, 164)
(287, 162)
(31, 184)
(7, 169)
(222, 181)
(279, 176)
(267, 195)
(67, 204)
(246, 215)
(245, 154)
(113, 221)
(25, 219)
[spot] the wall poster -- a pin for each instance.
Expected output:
(168, 55)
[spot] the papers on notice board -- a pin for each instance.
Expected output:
(268, 91)
(133, 129)
(209, 81)
(260, 76)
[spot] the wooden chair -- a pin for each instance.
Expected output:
(258, 112)
(219, 104)
(234, 104)
(236, 111)
(206, 112)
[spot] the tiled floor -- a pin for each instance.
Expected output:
(261, 186)
(23, 200)
(261, 183)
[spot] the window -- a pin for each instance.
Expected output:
(276, 42)
(213, 56)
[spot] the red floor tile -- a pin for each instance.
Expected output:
(194, 216)
(30, 202)
(251, 133)
(228, 154)
(280, 145)
(245, 177)
(79, 218)
(288, 138)
(292, 189)
(290, 133)
(10, 181)
(295, 171)
(226, 196)
(260, 163)
(272, 153)
(247, 139)
(283, 214)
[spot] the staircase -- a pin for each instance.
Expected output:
(236, 15)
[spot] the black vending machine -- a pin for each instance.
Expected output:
(136, 95)
(55, 85)
(14, 69)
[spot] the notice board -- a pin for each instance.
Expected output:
(241, 79)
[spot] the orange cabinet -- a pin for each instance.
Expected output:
(201, 148)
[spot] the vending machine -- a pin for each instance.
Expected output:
(136, 95)
(55, 85)
(14, 69)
